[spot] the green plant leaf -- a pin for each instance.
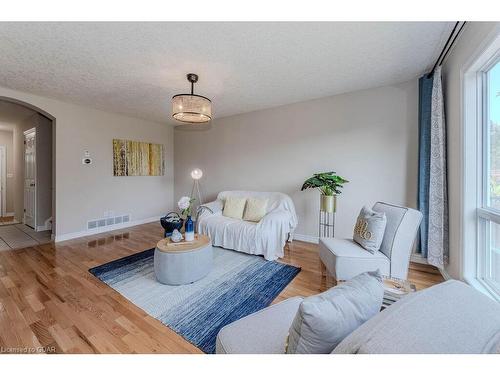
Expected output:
(329, 183)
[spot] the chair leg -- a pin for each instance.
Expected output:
(322, 268)
(329, 279)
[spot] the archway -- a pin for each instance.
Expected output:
(45, 181)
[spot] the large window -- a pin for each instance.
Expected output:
(479, 235)
(488, 212)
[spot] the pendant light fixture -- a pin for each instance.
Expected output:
(190, 107)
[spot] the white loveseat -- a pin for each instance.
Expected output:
(267, 237)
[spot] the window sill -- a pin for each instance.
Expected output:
(481, 287)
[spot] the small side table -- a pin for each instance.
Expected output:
(395, 289)
(178, 263)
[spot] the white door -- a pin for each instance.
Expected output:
(29, 178)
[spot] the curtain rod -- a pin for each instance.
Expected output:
(446, 48)
(453, 42)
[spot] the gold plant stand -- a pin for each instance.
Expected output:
(328, 208)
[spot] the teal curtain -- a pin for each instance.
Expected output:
(424, 152)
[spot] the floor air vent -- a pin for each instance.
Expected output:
(104, 222)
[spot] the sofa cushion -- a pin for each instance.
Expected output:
(451, 317)
(324, 320)
(255, 209)
(345, 259)
(234, 207)
(263, 332)
(275, 201)
(369, 229)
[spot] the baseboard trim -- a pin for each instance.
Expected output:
(445, 274)
(46, 226)
(305, 238)
(417, 258)
(109, 228)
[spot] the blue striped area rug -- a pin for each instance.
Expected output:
(238, 285)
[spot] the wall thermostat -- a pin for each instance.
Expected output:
(86, 158)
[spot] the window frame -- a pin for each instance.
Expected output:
(485, 213)
(474, 190)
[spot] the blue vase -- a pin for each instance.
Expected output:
(189, 229)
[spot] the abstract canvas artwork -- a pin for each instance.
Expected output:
(133, 158)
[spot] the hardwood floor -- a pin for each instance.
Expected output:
(49, 300)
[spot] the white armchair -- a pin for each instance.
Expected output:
(344, 258)
(267, 237)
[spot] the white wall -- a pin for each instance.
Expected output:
(474, 34)
(6, 140)
(370, 137)
(43, 170)
(85, 192)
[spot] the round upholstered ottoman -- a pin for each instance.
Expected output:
(183, 262)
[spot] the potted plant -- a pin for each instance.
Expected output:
(329, 184)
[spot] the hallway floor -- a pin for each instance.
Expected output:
(8, 220)
(19, 235)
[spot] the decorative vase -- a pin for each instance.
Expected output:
(176, 236)
(189, 229)
(328, 203)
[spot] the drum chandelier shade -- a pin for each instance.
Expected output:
(190, 107)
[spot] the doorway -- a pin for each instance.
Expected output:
(26, 175)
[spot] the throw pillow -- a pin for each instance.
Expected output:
(233, 207)
(255, 209)
(324, 320)
(369, 229)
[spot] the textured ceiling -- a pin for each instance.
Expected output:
(135, 68)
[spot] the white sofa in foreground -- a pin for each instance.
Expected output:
(451, 317)
(267, 237)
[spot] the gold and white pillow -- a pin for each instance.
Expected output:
(370, 228)
(255, 209)
(234, 207)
